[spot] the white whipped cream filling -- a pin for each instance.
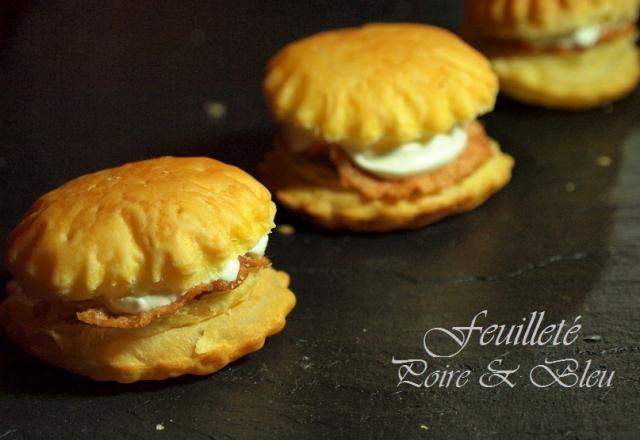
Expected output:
(138, 304)
(414, 158)
(260, 247)
(583, 37)
(141, 303)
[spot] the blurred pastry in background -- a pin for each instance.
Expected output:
(379, 127)
(150, 270)
(570, 54)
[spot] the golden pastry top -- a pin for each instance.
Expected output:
(380, 85)
(159, 225)
(533, 19)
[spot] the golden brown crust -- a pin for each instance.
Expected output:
(573, 81)
(380, 85)
(477, 151)
(201, 338)
(164, 224)
(534, 19)
(316, 193)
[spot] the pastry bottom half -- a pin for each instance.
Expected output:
(576, 80)
(201, 338)
(316, 193)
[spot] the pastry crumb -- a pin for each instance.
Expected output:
(306, 363)
(592, 338)
(159, 427)
(8, 433)
(603, 161)
(424, 427)
(286, 229)
(216, 110)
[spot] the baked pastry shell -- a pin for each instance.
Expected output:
(533, 19)
(576, 80)
(203, 337)
(155, 226)
(380, 85)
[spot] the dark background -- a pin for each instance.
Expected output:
(86, 85)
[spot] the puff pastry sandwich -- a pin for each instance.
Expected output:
(379, 129)
(150, 270)
(569, 54)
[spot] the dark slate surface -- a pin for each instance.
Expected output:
(88, 85)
